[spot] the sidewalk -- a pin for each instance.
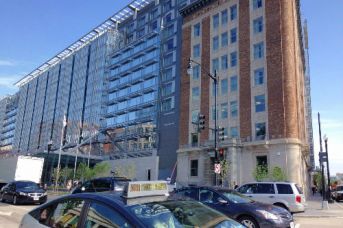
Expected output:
(314, 209)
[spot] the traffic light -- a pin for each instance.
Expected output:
(221, 134)
(221, 154)
(201, 122)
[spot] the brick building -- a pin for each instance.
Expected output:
(256, 48)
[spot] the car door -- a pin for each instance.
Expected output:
(88, 186)
(265, 193)
(216, 201)
(10, 191)
(285, 193)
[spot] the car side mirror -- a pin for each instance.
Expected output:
(222, 201)
(83, 189)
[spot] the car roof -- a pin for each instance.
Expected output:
(269, 182)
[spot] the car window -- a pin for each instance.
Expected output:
(339, 188)
(300, 190)
(88, 185)
(236, 197)
(63, 214)
(188, 193)
(208, 196)
(265, 189)
(284, 188)
(102, 184)
(102, 216)
(248, 189)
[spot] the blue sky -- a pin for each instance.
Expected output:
(34, 31)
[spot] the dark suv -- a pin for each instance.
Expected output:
(102, 184)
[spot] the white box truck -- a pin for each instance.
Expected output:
(21, 168)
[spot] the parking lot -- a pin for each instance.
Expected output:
(11, 215)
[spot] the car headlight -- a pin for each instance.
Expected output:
(22, 193)
(44, 194)
(268, 215)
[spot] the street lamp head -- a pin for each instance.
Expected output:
(325, 138)
(189, 68)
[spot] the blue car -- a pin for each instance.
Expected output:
(143, 204)
(250, 213)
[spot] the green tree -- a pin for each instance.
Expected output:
(224, 171)
(128, 171)
(278, 174)
(260, 173)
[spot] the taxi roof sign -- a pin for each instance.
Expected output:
(136, 189)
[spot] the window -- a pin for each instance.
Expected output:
(141, 21)
(195, 93)
(167, 89)
(196, 72)
(260, 103)
(258, 50)
(259, 76)
(262, 161)
(196, 30)
(234, 108)
(224, 62)
(169, 45)
(258, 25)
(233, 34)
(248, 189)
(154, 14)
(233, 59)
(224, 17)
(224, 39)
(167, 6)
(215, 64)
(265, 189)
(194, 137)
(215, 43)
(196, 50)
(224, 86)
(168, 18)
(257, 4)
(140, 32)
(208, 196)
(167, 104)
(284, 189)
(233, 84)
(102, 216)
(153, 26)
(234, 132)
(215, 21)
(168, 59)
(233, 12)
(223, 111)
(194, 168)
(260, 131)
(61, 214)
(189, 192)
(168, 74)
(195, 114)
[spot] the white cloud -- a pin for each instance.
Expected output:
(9, 80)
(7, 63)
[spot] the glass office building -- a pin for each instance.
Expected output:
(112, 95)
(8, 114)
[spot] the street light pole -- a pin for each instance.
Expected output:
(214, 77)
(328, 169)
(47, 163)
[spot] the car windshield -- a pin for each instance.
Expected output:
(27, 185)
(236, 197)
(299, 189)
(339, 188)
(180, 214)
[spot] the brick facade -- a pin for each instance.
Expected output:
(244, 70)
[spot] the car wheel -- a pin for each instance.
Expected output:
(248, 222)
(281, 205)
(15, 202)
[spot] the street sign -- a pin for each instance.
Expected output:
(217, 168)
(323, 157)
